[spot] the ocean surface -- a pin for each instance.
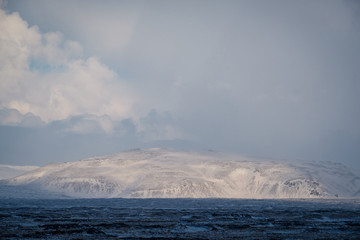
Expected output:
(179, 219)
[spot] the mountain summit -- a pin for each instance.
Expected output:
(168, 173)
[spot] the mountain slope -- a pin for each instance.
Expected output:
(163, 173)
(8, 171)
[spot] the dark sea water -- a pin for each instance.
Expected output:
(179, 219)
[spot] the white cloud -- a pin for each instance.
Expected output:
(45, 75)
(88, 123)
(103, 29)
(12, 117)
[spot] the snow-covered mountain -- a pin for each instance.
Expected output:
(9, 171)
(167, 173)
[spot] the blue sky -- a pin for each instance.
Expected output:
(273, 79)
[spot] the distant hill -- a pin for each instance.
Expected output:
(9, 171)
(168, 173)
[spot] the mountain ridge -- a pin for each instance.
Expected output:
(170, 173)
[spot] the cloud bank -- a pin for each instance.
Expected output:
(47, 76)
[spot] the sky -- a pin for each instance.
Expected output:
(270, 79)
